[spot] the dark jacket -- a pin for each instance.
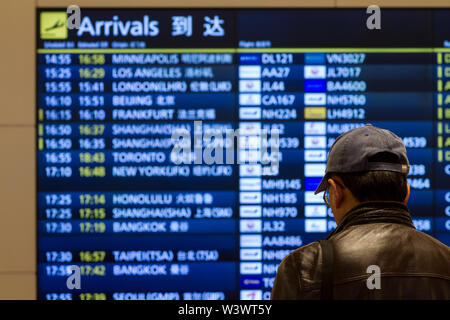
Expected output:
(413, 265)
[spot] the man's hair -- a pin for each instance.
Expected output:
(376, 185)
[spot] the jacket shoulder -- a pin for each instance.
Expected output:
(309, 261)
(298, 272)
(396, 249)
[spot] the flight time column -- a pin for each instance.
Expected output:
(71, 153)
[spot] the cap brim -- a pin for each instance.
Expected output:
(322, 185)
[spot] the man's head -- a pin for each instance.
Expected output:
(365, 164)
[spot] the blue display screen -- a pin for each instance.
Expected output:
(179, 150)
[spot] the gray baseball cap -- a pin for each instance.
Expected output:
(351, 152)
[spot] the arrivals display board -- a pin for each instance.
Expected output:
(118, 207)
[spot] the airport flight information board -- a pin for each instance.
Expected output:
(114, 201)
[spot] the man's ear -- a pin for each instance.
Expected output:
(408, 190)
(338, 193)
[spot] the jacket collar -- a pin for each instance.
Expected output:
(375, 212)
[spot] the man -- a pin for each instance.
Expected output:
(375, 252)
